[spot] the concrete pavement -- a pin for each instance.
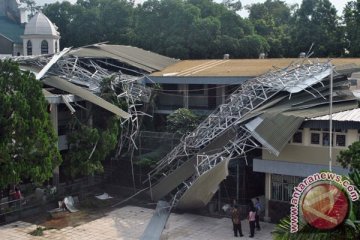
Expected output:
(129, 223)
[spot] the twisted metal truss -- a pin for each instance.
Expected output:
(248, 97)
(90, 74)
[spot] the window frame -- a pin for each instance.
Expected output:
(29, 48)
(44, 49)
(284, 184)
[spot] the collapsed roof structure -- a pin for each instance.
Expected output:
(80, 72)
(264, 112)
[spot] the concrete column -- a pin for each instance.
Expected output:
(54, 121)
(352, 136)
(306, 136)
(223, 97)
(267, 196)
(186, 95)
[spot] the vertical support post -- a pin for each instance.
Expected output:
(237, 181)
(330, 119)
(267, 196)
(219, 196)
(186, 95)
(54, 122)
(151, 193)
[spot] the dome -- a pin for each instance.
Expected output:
(40, 24)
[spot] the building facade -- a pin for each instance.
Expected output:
(18, 38)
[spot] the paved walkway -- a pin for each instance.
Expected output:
(129, 223)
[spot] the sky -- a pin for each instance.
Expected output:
(339, 4)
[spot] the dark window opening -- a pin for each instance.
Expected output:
(44, 47)
(29, 48)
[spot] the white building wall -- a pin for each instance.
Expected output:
(36, 44)
(18, 48)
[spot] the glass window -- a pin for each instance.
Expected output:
(297, 138)
(326, 139)
(29, 48)
(315, 138)
(341, 140)
(56, 46)
(44, 47)
(282, 186)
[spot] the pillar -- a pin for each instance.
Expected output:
(267, 196)
(54, 122)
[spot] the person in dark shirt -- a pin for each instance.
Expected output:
(236, 220)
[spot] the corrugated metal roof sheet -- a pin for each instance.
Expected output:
(240, 67)
(282, 128)
(11, 30)
(350, 115)
(133, 56)
(84, 94)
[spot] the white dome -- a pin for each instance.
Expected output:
(40, 24)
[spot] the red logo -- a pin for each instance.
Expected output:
(325, 206)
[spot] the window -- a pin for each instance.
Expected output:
(44, 47)
(297, 137)
(340, 140)
(56, 46)
(315, 138)
(326, 139)
(196, 89)
(29, 48)
(282, 186)
(322, 137)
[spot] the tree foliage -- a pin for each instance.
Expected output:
(350, 157)
(92, 139)
(28, 144)
(352, 29)
(89, 147)
(182, 121)
(316, 22)
(198, 29)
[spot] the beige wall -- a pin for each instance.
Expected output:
(307, 153)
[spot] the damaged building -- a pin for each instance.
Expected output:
(72, 82)
(266, 130)
(273, 126)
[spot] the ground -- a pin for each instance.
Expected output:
(129, 222)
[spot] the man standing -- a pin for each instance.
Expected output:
(251, 218)
(236, 220)
(257, 216)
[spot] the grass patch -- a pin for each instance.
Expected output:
(39, 231)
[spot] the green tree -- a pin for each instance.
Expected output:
(96, 20)
(31, 7)
(62, 15)
(89, 147)
(350, 157)
(182, 121)
(253, 45)
(316, 22)
(28, 144)
(352, 27)
(271, 20)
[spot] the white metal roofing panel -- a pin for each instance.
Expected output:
(349, 115)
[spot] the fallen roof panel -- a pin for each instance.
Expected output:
(137, 57)
(66, 86)
(282, 128)
(204, 187)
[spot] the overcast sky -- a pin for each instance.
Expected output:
(339, 4)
